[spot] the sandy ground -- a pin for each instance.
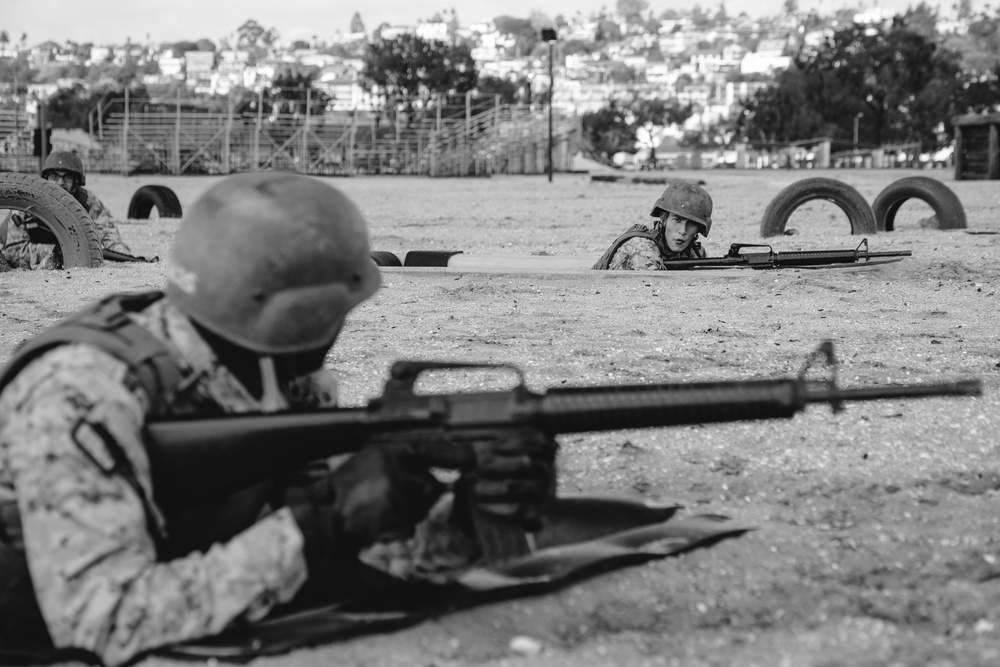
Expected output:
(877, 540)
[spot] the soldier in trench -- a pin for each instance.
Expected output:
(27, 245)
(682, 213)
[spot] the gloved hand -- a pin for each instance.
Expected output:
(379, 494)
(514, 475)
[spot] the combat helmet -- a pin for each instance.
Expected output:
(687, 200)
(64, 161)
(272, 262)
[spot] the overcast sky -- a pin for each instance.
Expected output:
(112, 21)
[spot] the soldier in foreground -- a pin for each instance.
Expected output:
(250, 310)
(19, 234)
(682, 212)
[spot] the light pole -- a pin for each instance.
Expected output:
(857, 119)
(549, 35)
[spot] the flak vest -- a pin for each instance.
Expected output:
(635, 231)
(105, 325)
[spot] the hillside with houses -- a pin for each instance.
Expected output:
(710, 63)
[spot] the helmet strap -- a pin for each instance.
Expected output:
(271, 398)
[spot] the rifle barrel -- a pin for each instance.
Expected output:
(823, 394)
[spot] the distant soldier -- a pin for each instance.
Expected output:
(264, 271)
(682, 212)
(26, 246)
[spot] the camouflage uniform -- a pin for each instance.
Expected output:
(642, 253)
(91, 538)
(87, 533)
(20, 252)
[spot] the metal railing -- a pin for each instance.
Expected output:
(137, 137)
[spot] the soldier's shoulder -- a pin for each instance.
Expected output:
(637, 243)
(68, 364)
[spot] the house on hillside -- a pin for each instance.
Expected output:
(767, 58)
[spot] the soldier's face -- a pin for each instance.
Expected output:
(678, 232)
(64, 179)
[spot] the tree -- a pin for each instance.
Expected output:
(4, 38)
(700, 17)
(292, 90)
(408, 68)
(357, 25)
(922, 20)
(781, 113)
(180, 48)
(70, 107)
(964, 10)
(721, 16)
(525, 35)
(608, 131)
(509, 92)
(649, 116)
(607, 31)
(903, 83)
(255, 38)
(616, 128)
(17, 73)
(631, 11)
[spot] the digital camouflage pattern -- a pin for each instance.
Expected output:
(644, 254)
(88, 537)
(90, 550)
(20, 252)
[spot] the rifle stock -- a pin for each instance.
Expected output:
(736, 259)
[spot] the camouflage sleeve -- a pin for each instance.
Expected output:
(637, 253)
(91, 554)
(20, 252)
(107, 231)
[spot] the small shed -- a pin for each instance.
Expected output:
(977, 146)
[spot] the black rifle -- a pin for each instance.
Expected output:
(198, 461)
(735, 258)
(115, 256)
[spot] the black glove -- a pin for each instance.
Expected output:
(379, 494)
(514, 475)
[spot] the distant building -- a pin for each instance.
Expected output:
(394, 31)
(198, 62)
(434, 30)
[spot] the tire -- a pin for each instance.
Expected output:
(429, 257)
(383, 258)
(149, 196)
(59, 212)
(948, 209)
(850, 201)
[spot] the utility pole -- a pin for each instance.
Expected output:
(857, 119)
(549, 35)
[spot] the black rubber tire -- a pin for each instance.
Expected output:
(154, 196)
(948, 209)
(60, 212)
(850, 201)
(429, 257)
(383, 258)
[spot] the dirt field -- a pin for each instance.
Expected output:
(878, 538)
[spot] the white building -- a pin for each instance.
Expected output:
(433, 31)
